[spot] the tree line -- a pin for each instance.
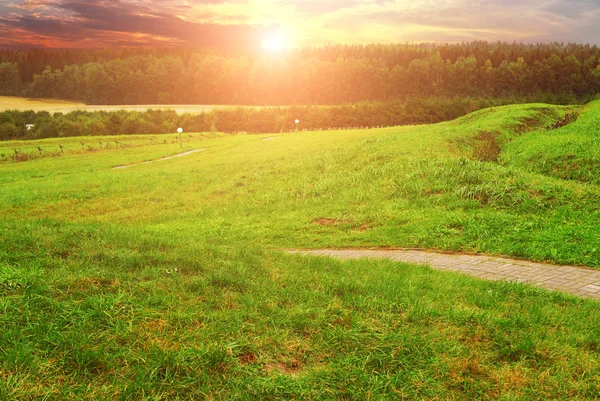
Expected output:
(330, 75)
(14, 124)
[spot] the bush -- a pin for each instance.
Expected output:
(9, 131)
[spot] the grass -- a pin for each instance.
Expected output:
(571, 152)
(51, 105)
(134, 148)
(165, 280)
(63, 106)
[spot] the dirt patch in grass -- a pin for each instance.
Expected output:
(511, 378)
(154, 325)
(364, 227)
(291, 368)
(487, 147)
(526, 124)
(569, 118)
(87, 282)
(324, 221)
(247, 358)
(433, 191)
(466, 372)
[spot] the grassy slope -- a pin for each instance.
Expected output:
(571, 152)
(154, 281)
(63, 106)
(408, 187)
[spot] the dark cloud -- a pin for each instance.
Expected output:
(97, 18)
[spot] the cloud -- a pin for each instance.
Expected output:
(235, 24)
(465, 20)
(317, 7)
(572, 9)
(84, 21)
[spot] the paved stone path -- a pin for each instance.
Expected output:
(161, 159)
(580, 281)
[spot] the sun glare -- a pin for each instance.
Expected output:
(276, 42)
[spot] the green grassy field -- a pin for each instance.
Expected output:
(63, 106)
(167, 280)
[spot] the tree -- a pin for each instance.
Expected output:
(10, 79)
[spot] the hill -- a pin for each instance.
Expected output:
(167, 279)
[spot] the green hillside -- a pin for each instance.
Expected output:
(570, 153)
(421, 186)
(166, 280)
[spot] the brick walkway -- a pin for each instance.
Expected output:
(580, 281)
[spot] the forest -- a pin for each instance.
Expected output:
(330, 75)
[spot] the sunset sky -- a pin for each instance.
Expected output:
(238, 23)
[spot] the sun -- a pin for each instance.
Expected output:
(276, 42)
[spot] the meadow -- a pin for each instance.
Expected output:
(64, 106)
(169, 280)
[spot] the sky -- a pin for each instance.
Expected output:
(297, 23)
